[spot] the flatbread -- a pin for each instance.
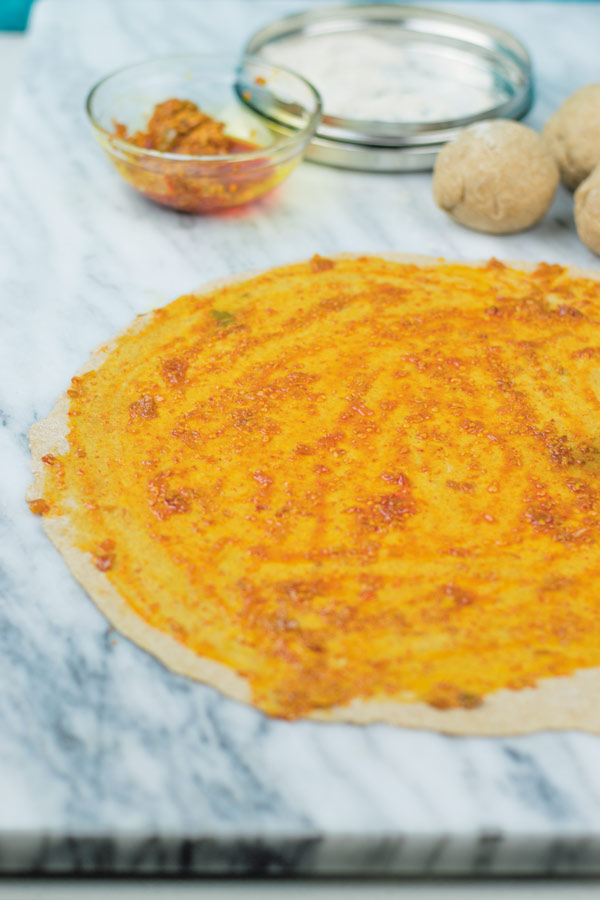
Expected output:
(293, 620)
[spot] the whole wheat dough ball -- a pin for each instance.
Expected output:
(497, 176)
(573, 135)
(587, 211)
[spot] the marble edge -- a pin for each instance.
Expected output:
(490, 853)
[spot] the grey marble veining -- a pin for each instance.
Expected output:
(107, 761)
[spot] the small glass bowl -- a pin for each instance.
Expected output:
(259, 102)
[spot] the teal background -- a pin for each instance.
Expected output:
(14, 14)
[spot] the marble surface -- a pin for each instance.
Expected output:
(108, 762)
(12, 46)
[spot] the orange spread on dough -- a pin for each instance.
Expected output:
(362, 480)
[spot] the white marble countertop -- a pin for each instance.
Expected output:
(107, 761)
(12, 51)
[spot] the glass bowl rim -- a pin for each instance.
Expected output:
(293, 140)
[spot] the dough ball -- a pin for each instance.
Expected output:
(573, 135)
(587, 211)
(497, 176)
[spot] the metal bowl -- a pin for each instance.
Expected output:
(482, 72)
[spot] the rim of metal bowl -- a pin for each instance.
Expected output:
(477, 33)
(305, 133)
